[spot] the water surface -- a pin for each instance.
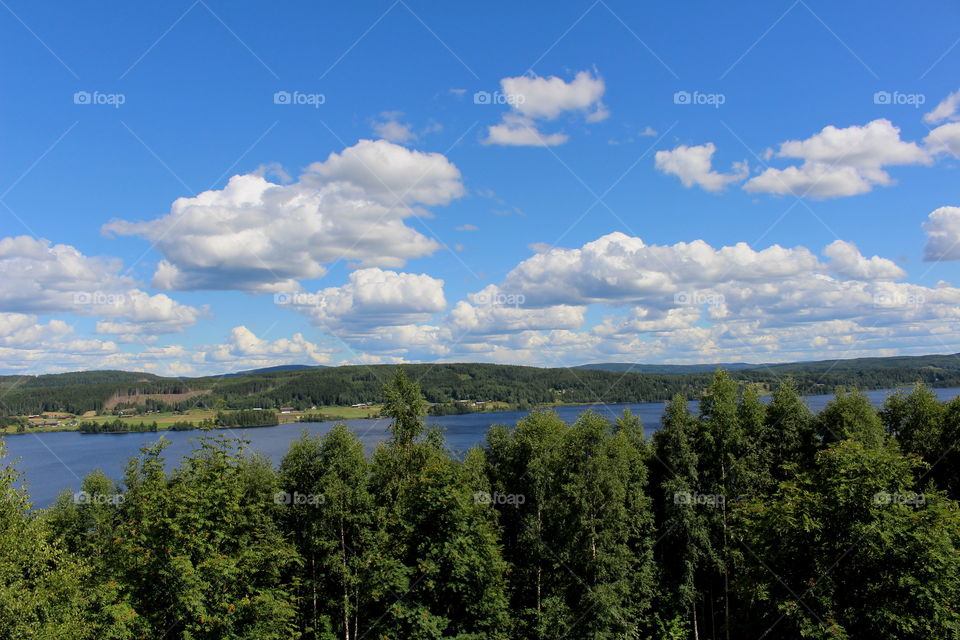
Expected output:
(52, 462)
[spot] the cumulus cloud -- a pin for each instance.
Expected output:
(389, 127)
(547, 98)
(494, 310)
(846, 261)
(243, 346)
(946, 109)
(944, 139)
(694, 166)
(617, 268)
(373, 298)
(839, 162)
(28, 345)
(943, 235)
(40, 277)
(516, 130)
(533, 98)
(257, 236)
(691, 302)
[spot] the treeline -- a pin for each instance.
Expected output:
(445, 384)
(746, 521)
(115, 426)
(246, 418)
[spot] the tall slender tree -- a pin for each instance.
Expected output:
(685, 545)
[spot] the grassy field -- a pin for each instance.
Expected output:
(345, 413)
(165, 419)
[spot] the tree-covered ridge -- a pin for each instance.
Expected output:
(746, 521)
(445, 383)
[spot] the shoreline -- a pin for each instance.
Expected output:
(333, 417)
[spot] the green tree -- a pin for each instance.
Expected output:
(758, 456)
(685, 546)
(850, 415)
(197, 550)
(916, 419)
(46, 592)
(945, 460)
(84, 520)
(522, 462)
(328, 510)
(789, 438)
(724, 474)
(403, 401)
(440, 572)
(848, 550)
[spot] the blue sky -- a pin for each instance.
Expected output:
(393, 215)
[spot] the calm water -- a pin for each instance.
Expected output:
(51, 462)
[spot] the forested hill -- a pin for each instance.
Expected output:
(445, 383)
(949, 362)
(636, 367)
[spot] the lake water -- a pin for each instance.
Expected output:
(52, 462)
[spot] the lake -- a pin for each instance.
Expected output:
(52, 462)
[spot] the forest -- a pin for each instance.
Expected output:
(747, 520)
(445, 384)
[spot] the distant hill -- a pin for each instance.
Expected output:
(303, 386)
(633, 367)
(76, 378)
(278, 368)
(948, 362)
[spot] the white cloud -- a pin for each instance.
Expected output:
(23, 330)
(534, 98)
(617, 269)
(258, 236)
(943, 235)
(30, 346)
(245, 348)
(691, 302)
(494, 310)
(40, 277)
(840, 162)
(547, 98)
(947, 109)
(389, 127)
(694, 166)
(944, 139)
(374, 298)
(519, 131)
(846, 261)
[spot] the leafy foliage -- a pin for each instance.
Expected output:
(748, 520)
